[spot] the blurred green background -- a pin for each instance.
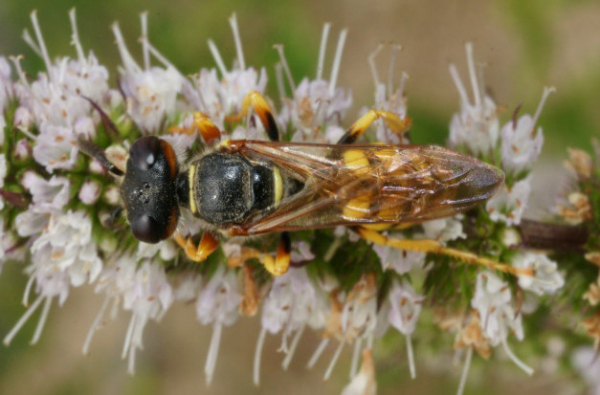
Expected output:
(526, 45)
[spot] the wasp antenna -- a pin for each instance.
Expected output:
(97, 153)
(108, 124)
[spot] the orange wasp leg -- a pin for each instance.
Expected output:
(435, 247)
(202, 124)
(259, 104)
(393, 121)
(208, 244)
(276, 266)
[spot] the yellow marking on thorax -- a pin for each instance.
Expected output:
(278, 181)
(356, 161)
(192, 197)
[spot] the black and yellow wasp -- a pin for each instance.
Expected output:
(248, 187)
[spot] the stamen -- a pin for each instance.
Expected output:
(238, 41)
(465, 372)
(17, 62)
(545, 94)
(22, 320)
(43, 50)
(131, 361)
(290, 354)
(333, 247)
(411, 357)
(42, 321)
(355, 357)
(372, 65)
(315, 357)
(279, 79)
(336, 61)
(472, 74)
(286, 67)
(128, 60)
(144, 39)
(259, 346)
(403, 80)
(128, 337)
(322, 48)
(459, 85)
(217, 56)
(391, 71)
(29, 40)
(334, 360)
(95, 326)
(527, 369)
(75, 37)
(27, 291)
(213, 352)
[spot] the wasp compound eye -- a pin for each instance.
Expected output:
(146, 229)
(144, 153)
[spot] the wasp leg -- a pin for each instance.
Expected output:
(393, 121)
(202, 124)
(276, 266)
(435, 247)
(258, 102)
(208, 244)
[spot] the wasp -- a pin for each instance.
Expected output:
(244, 188)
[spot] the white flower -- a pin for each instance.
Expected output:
(476, 125)
(521, 145)
(150, 92)
(56, 147)
(586, 361)
(401, 261)
(89, 192)
(3, 170)
(443, 230)
(546, 278)
(405, 307)
(509, 204)
(218, 304)
(364, 383)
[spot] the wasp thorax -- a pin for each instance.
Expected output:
(149, 189)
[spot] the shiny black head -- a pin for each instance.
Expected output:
(149, 189)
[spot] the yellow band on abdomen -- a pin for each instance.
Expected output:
(278, 185)
(192, 197)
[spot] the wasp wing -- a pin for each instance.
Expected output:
(368, 184)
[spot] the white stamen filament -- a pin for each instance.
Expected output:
(545, 94)
(238, 41)
(286, 67)
(257, 354)
(322, 48)
(217, 56)
(355, 357)
(317, 354)
(465, 372)
(392, 70)
(95, 326)
(337, 354)
(372, 65)
(128, 337)
(29, 40)
(144, 39)
(75, 38)
(459, 85)
(411, 357)
(337, 61)
(213, 352)
(23, 320)
(526, 368)
(131, 361)
(473, 74)
(403, 80)
(42, 45)
(279, 79)
(333, 247)
(41, 322)
(292, 350)
(128, 61)
(27, 291)
(17, 62)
